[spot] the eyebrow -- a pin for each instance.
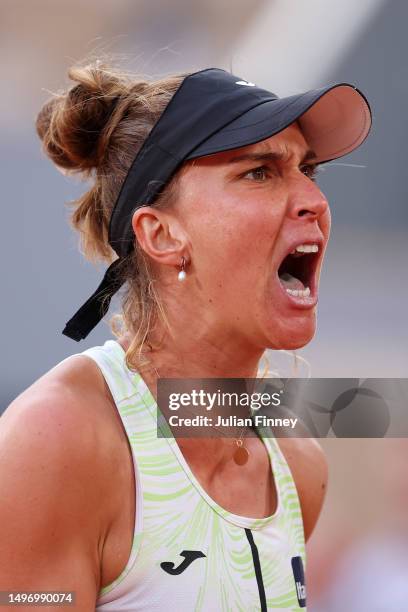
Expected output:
(270, 156)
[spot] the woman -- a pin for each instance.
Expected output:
(204, 203)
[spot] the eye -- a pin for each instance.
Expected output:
(258, 175)
(310, 170)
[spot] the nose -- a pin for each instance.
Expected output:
(307, 200)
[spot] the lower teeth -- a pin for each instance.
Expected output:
(299, 292)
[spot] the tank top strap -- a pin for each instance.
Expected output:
(284, 481)
(110, 359)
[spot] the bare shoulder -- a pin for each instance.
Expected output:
(70, 407)
(59, 451)
(309, 468)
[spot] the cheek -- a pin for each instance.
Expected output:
(325, 224)
(236, 231)
(328, 221)
(232, 228)
(241, 243)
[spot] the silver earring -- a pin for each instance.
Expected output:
(182, 274)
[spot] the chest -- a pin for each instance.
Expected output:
(193, 555)
(247, 490)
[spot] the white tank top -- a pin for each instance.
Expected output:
(189, 554)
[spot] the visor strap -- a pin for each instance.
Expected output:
(94, 309)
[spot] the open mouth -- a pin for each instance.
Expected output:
(297, 271)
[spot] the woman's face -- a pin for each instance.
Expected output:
(244, 212)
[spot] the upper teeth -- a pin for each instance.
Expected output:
(306, 248)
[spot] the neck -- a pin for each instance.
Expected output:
(190, 358)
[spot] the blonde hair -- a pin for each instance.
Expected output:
(269, 366)
(95, 129)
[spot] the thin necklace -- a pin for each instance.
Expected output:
(241, 453)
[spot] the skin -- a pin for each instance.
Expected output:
(247, 226)
(65, 463)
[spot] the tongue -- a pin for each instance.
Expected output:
(291, 282)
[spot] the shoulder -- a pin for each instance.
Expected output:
(72, 393)
(57, 462)
(70, 402)
(309, 468)
(61, 434)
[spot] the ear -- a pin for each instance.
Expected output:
(160, 235)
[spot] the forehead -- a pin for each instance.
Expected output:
(288, 143)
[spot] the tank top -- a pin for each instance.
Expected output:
(188, 553)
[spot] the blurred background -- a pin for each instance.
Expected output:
(358, 554)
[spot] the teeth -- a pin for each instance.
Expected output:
(305, 248)
(299, 292)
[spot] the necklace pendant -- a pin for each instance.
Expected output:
(241, 455)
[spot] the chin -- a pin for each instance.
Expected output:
(292, 335)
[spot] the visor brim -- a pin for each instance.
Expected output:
(334, 121)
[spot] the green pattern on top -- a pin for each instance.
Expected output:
(175, 514)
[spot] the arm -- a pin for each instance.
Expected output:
(51, 532)
(309, 469)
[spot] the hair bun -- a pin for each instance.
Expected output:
(73, 125)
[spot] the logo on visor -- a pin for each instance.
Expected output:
(247, 83)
